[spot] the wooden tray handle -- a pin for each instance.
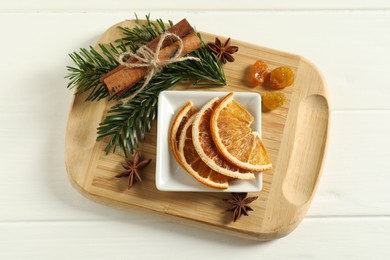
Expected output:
(301, 165)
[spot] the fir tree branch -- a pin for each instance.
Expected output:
(90, 66)
(126, 124)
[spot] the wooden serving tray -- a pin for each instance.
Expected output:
(295, 136)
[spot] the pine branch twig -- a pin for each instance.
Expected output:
(90, 66)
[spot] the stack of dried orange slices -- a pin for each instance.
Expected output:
(216, 143)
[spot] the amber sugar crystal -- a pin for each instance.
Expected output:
(281, 77)
(273, 100)
(258, 73)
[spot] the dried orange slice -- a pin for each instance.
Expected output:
(177, 125)
(207, 150)
(230, 127)
(192, 163)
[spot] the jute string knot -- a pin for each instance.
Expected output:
(150, 60)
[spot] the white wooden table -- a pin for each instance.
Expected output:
(43, 217)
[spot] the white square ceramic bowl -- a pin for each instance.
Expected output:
(170, 176)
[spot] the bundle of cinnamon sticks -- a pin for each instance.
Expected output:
(123, 77)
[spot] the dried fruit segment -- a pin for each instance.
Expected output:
(206, 148)
(242, 148)
(193, 164)
(177, 125)
(257, 157)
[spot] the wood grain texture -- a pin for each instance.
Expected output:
(295, 136)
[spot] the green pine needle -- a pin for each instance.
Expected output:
(144, 33)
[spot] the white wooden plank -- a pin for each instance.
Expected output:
(356, 174)
(200, 5)
(313, 239)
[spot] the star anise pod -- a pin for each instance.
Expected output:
(224, 52)
(240, 204)
(133, 168)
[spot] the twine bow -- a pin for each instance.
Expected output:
(150, 60)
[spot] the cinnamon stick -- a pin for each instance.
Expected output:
(122, 77)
